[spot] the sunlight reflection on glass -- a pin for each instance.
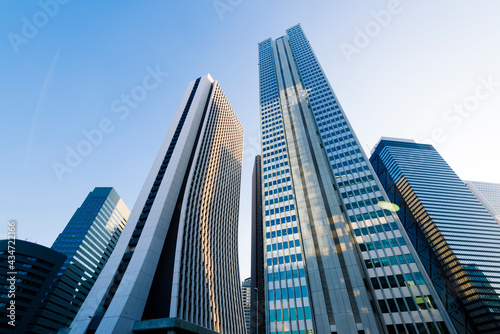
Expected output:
(388, 206)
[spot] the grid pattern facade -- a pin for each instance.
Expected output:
(87, 241)
(36, 266)
(336, 261)
(175, 268)
(488, 194)
(209, 287)
(462, 234)
(246, 295)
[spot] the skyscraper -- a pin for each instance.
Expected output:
(488, 194)
(87, 241)
(336, 262)
(246, 295)
(34, 268)
(258, 303)
(175, 268)
(456, 238)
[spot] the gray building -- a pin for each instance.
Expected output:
(34, 268)
(488, 194)
(456, 237)
(246, 295)
(336, 260)
(175, 268)
(87, 241)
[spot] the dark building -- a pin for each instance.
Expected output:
(258, 300)
(35, 267)
(454, 235)
(87, 241)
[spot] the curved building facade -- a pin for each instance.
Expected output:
(35, 268)
(175, 268)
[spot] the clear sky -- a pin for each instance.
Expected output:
(425, 70)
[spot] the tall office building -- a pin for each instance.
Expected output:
(456, 238)
(34, 269)
(258, 303)
(87, 241)
(175, 268)
(336, 262)
(246, 295)
(488, 194)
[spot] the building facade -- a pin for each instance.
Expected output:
(87, 241)
(488, 194)
(456, 237)
(175, 268)
(258, 304)
(34, 268)
(246, 295)
(336, 261)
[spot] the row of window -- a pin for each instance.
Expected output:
(267, 148)
(276, 166)
(281, 150)
(283, 232)
(280, 199)
(290, 314)
(368, 215)
(380, 228)
(281, 209)
(363, 203)
(284, 245)
(390, 261)
(292, 258)
(273, 124)
(419, 303)
(278, 221)
(278, 173)
(287, 293)
(276, 182)
(398, 280)
(355, 181)
(358, 192)
(348, 171)
(432, 328)
(287, 274)
(268, 161)
(277, 190)
(393, 242)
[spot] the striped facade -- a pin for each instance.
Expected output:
(175, 269)
(88, 241)
(336, 261)
(456, 237)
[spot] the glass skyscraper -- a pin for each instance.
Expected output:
(336, 260)
(87, 241)
(175, 268)
(488, 194)
(456, 238)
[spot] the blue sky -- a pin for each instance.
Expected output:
(421, 70)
